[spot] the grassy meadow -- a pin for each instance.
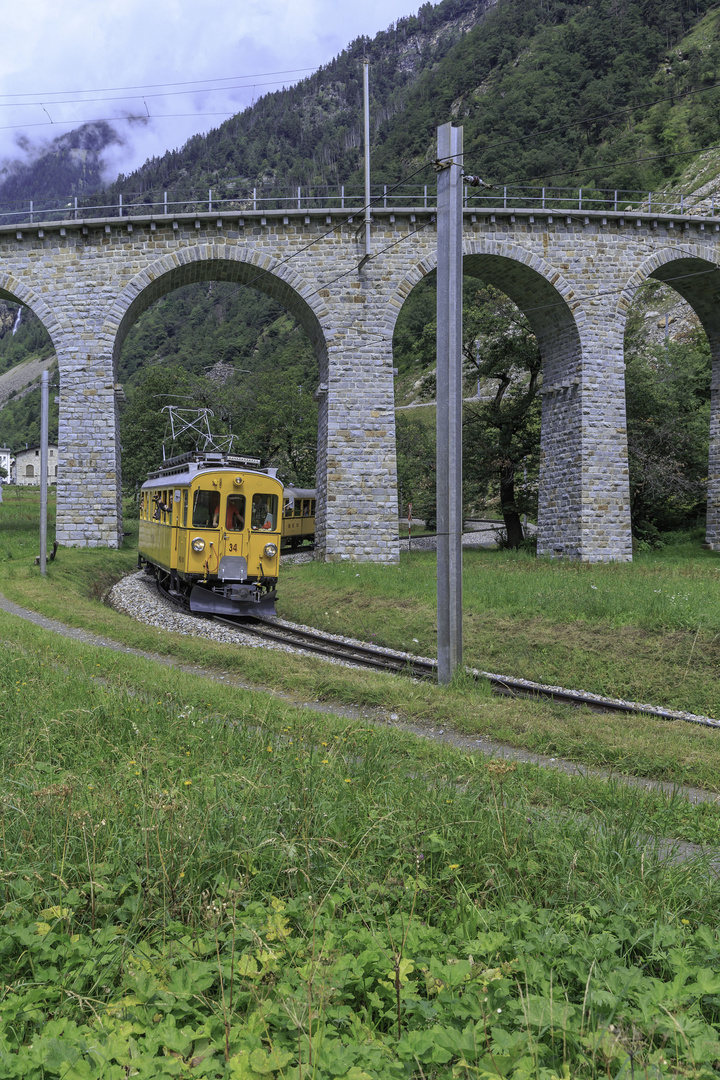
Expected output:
(201, 880)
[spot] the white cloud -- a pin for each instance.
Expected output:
(52, 48)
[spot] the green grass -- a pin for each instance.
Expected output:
(191, 874)
(505, 631)
(649, 630)
(202, 880)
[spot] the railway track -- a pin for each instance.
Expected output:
(394, 663)
(402, 664)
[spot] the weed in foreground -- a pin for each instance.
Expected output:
(263, 892)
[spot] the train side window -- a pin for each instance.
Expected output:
(312, 508)
(185, 507)
(264, 511)
(306, 508)
(235, 513)
(206, 509)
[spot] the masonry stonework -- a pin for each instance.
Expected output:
(573, 274)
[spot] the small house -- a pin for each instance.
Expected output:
(27, 465)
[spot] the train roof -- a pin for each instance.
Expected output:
(185, 467)
(299, 493)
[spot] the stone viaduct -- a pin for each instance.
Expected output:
(574, 275)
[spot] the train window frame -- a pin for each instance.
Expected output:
(264, 510)
(206, 522)
(185, 508)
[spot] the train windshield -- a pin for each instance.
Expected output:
(235, 513)
(264, 512)
(206, 509)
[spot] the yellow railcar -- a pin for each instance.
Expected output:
(210, 528)
(298, 521)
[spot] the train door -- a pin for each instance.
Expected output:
(235, 525)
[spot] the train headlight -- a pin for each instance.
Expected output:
(198, 544)
(238, 481)
(271, 550)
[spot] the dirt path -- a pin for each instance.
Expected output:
(18, 377)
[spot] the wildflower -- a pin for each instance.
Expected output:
(182, 873)
(454, 866)
(188, 783)
(593, 587)
(324, 761)
(685, 922)
(348, 781)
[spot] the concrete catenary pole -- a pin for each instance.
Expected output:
(449, 400)
(44, 410)
(366, 111)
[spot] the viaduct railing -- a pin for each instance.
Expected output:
(240, 197)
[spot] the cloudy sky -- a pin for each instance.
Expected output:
(182, 65)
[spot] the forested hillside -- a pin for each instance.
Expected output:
(604, 95)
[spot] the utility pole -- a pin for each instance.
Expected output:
(44, 410)
(366, 111)
(449, 399)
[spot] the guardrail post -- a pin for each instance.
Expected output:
(425, 197)
(385, 196)
(579, 198)
(342, 197)
(543, 198)
(504, 198)
(649, 202)
(165, 202)
(254, 198)
(299, 204)
(75, 208)
(682, 199)
(210, 201)
(120, 214)
(31, 210)
(616, 201)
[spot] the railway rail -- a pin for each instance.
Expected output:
(360, 654)
(402, 664)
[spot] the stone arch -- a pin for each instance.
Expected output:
(695, 275)
(243, 265)
(583, 507)
(16, 292)
(221, 262)
(538, 289)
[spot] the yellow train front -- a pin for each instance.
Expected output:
(210, 531)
